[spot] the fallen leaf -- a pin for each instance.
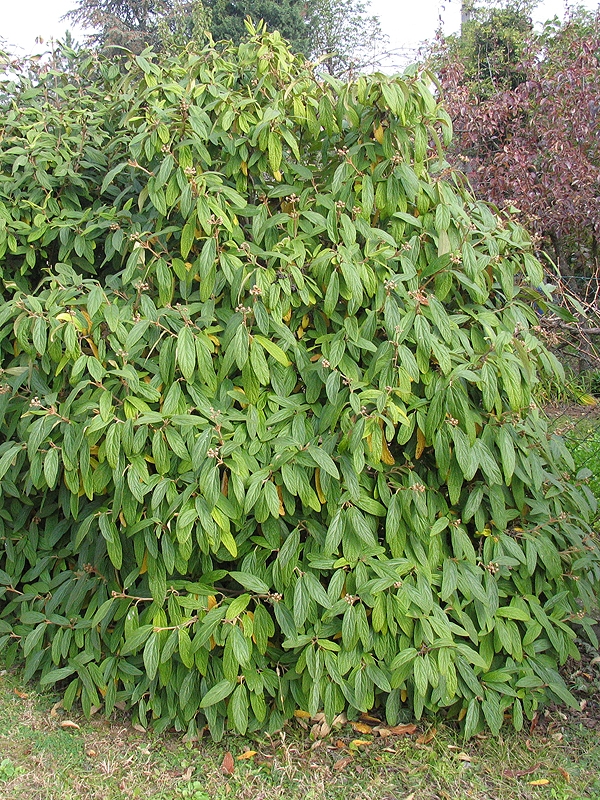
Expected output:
(565, 774)
(519, 773)
(342, 763)
(246, 755)
(66, 723)
(369, 718)
(341, 719)
(360, 742)
(22, 695)
(426, 737)
(301, 714)
(227, 767)
(463, 757)
(539, 782)
(383, 732)
(54, 708)
(360, 727)
(187, 775)
(403, 730)
(137, 727)
(90, 753)
(340, 744)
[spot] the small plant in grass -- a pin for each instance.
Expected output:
(269, 436)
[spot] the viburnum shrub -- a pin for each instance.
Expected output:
(268, 433)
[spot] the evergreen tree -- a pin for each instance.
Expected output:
(286, 16)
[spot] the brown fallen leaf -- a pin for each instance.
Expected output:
(369, 718)
(463, 757)
(246, 755)
(227, 766)
(340, 744)
(360, 727)
(565, 774)
(383, 732)
(53, 710)
(519, 773)
(403, 730)
(426, 737)
(360, 742)
(66, 723)
(342, 763)
(187, 775)
(22, 695)
(540, 782)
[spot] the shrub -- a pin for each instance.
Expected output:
(268, 438)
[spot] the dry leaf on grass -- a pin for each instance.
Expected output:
(342, 763)
(360, 727)
(426, 737)
(403, 730)
(66, 723)
(228, 767)
(540, 782)
(565, 774)
(519, 773)
(22, 695)
(246, 755)
(360, 742)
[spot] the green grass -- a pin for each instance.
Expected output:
(40, 759)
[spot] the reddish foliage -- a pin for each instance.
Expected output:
(537, 146)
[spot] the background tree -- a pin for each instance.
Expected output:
(136, 24)
(340, 32)
(344, 35)
(525, 110)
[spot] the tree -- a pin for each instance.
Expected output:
(338, 32)
(268, 430)
(344, 35)
(286, 16)
(135, 24)
(527, 130)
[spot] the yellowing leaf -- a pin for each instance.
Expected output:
(540, 782)
(360, 743)
(300, 714)
(378, 134)
(248, 754)
(420, 443)
(360, 727)
(320, 494)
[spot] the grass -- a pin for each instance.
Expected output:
(41, 758)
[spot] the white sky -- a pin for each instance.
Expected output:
(406, 22)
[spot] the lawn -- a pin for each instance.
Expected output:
(46, 754)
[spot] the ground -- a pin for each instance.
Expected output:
(46, 754)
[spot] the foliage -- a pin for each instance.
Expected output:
(528, 135)
(135, 24)
(268, 435)
(286, 16)
(341, 32)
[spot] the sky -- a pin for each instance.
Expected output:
(407, 22)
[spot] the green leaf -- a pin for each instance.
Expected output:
(185, 352)
(273, 350)
(217, 693)
(323, 460)
(250, 582)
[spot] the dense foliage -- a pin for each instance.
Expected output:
(525, 112)
(340, 33)
(268, 438)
